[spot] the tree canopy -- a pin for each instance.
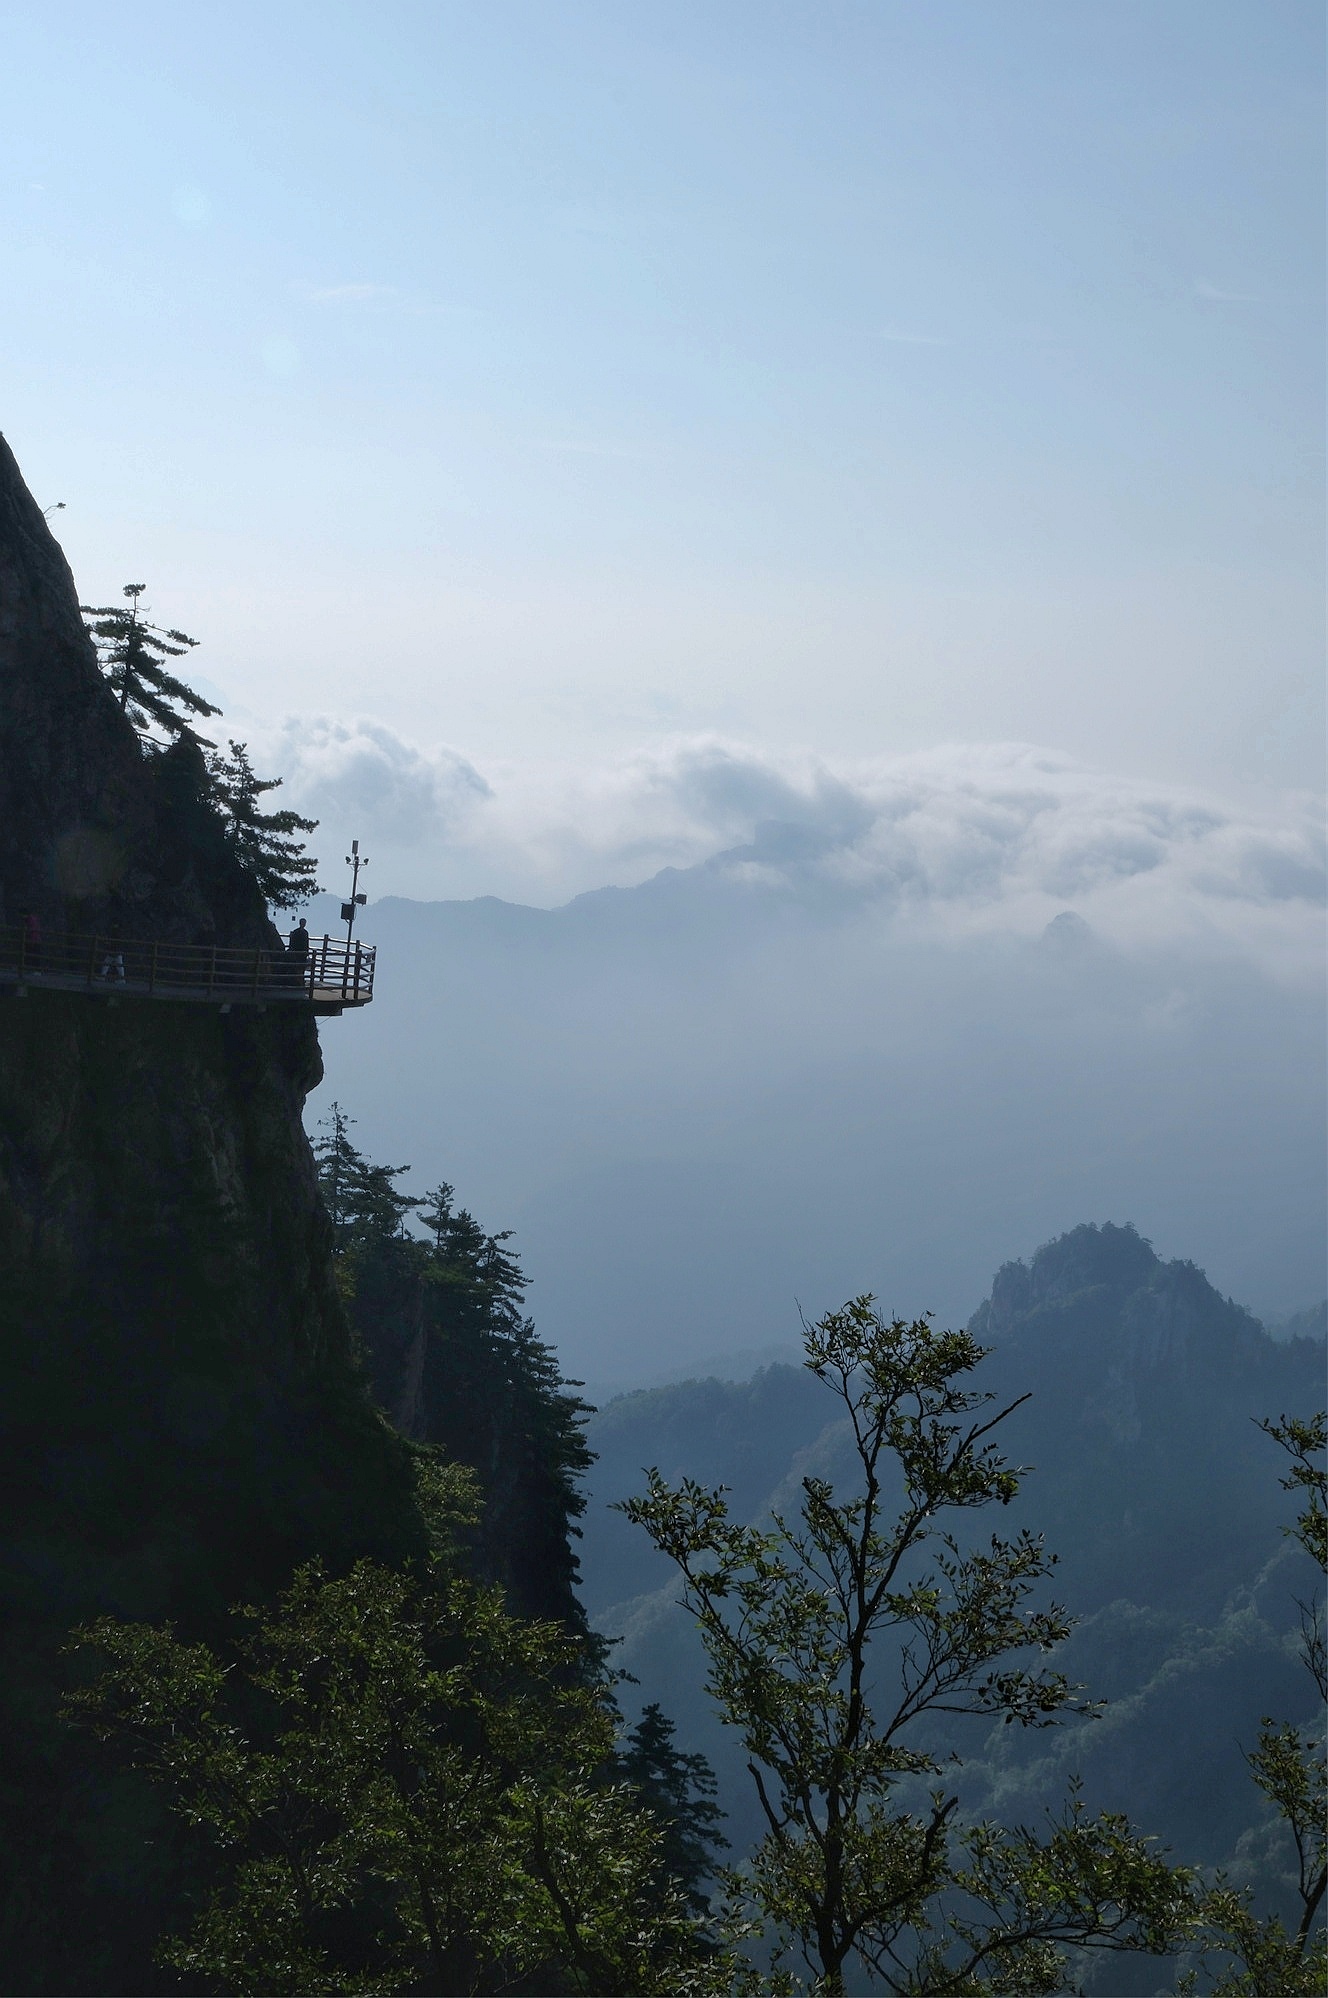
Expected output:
(361, 1199)
(263, 842)
(404, 1788)
(680, 1790)
(132, 654)
(1261, 1953)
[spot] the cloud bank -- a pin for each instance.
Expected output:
(364, 776)
(965, 836)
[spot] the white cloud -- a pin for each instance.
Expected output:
(363, 778)
(961, 837)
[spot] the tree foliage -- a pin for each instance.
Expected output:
(263, 842)
(361, 1199)
(404, 1788)
(679, 1790)
(804, 1624)
(446, 1312)
(1262, 1954)
(133, 655)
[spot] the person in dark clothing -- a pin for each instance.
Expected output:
(297, 953)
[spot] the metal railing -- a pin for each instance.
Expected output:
(331, 972)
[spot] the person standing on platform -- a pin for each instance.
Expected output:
(297, 952)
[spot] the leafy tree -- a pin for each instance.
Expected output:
(858, 1867)
(133, 655)
(402, 1786)
(262, 841)
(1263, 1955)
(680, 1792)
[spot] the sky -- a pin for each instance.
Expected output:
(525, 404)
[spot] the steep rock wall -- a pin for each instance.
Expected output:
(182, 1416)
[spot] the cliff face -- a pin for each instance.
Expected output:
(181, 1414)
(92, 833)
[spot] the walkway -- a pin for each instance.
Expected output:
(335, 974)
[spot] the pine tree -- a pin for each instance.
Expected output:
(132, 654)
(679, 1791)
(262, 841)
(362, 1203)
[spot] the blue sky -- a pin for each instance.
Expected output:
(553, 381)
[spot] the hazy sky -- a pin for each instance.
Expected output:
(549, 381)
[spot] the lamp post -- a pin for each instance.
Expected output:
(355, 862)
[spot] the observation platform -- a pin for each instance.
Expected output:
(331, 976)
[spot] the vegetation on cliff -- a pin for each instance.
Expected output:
(455, 1361)
(160, 706)
(132, 654)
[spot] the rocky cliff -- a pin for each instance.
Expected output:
(1146, 1388)
(182, 1417)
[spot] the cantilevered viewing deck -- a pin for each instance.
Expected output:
(330, 975)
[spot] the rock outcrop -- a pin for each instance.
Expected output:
(1146, 1384)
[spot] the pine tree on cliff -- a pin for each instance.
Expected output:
(262, 841)
(364, 1207)
(133, 654)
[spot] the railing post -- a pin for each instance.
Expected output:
(357, 968)
(152, 970)
(258, 965)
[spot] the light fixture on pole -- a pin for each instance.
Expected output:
(355, 861)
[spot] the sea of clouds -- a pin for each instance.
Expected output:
(964, 837)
